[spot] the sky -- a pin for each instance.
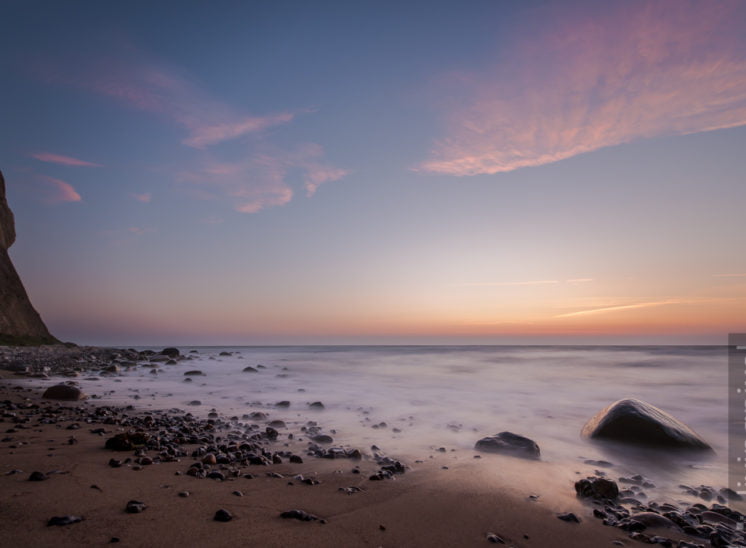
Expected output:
(439, 172)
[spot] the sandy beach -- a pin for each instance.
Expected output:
(448, 498)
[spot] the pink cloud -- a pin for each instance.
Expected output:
(58, 191)
(639, 70)
(62, 160)
(209, 135)
(143, 84)
(144, 198)
(264, 179)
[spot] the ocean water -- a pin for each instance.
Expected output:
(450, 396)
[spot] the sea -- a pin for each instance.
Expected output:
(412, 400)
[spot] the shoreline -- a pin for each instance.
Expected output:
(454, 499)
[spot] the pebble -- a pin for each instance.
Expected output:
(222, 515)
(569, 517)
(135, 507)
(64, 520)
(301, 515)
(38, 476)
(495, 539)
(184, 494)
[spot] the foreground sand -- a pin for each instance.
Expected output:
(428, 506)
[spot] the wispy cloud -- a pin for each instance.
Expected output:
(145, 197)
(137, 81)
(264, 179)
(579, 280)
(58, 191)
(61, 160)
(608, 309)
(633, 71)
(729, 275)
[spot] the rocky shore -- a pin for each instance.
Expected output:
(76, 472)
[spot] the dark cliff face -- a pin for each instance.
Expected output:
(19, 322)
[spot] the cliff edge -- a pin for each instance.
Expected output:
(20, 324)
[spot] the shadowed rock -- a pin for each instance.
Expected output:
(20, 324)
(65, 392)
(509, 444)
(636, 422)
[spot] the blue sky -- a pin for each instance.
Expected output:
(294, 172)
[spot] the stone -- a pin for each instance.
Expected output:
(126, 441)
(509, 444)
(636, 422)
(569, 517)
(38, 476)
(193, 372)
(63, 520)
(222, 515)
(322, 438)
(300, 515)
(65, 392)
(597, 488)
(249, 369)
(20, 323)
(171, 352)
(316, 405)
(135, 507)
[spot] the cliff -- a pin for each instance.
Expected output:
(19, 322)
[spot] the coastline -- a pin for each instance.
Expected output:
(449, 499)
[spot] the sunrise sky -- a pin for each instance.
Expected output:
(378, 172)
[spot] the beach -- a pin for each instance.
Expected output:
(446, 495)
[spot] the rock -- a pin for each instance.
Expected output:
(225, 353)
(597, 488)
(184, 494)
(171, 352)
(509, 444)
(322, 438)
(569, 517)
(494, 539)
(316, 405)
(38, 476)
(249, 369)
(20, 324)
(135, 507)
(301, 515)
(63, 520)
(127, 441)
(283, 403)
(222, 515)
(651, 519)
(636, 422)
(193, 372)
(65, 392)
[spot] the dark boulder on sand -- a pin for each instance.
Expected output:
(509, 444)
(635, 422)
(65, 392)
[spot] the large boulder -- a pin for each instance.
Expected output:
(19, 322)
(65, 392)
(635, 422)
(509, 444)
